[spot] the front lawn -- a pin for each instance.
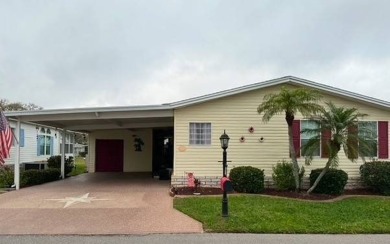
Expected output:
(257, 214)
(80, 167)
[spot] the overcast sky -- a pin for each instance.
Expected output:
(80, 53)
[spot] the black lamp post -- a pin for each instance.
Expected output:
(224, 144)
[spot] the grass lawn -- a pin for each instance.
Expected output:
(80, 167)
(257, 214)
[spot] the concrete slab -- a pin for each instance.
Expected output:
(93, 204)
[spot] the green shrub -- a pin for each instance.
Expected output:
(31, 177)
(333, 182)
(376, 175)
(247, 179)
(6, 176)
(51, 174)
(55, 162)
(283, 176)
(36, 177)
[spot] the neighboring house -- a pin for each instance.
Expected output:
(37, 144)
(79, 148)
(184, 136)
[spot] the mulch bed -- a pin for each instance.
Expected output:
(273, 192)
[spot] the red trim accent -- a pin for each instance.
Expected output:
(383, 139)
(297, 137)
(325, 138)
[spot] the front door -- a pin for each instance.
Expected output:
(109, 155)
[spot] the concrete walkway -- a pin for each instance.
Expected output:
(95, 203)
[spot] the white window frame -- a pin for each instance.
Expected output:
(308, 137)
(47, 138)
(69, 144)
(376, 136)
(200, 133)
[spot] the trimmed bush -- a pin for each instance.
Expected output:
(6, 176)
(247, 179)
(333, 182)
(37, 177)
(283, 176)
(55, 162)
(376, 175)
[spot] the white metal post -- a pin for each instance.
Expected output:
(17, 157)
(63, 154)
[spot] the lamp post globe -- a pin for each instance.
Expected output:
(224, 139)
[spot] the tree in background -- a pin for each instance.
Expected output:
(290, 102)
(6, 105)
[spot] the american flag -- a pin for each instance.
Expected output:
(5, 138)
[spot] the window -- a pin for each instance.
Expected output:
(45, 142)
(69, 141)
(368, 130)
(200, 133)
(305, 136)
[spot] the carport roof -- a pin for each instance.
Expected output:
(89, 119)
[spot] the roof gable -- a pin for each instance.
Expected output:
(284, 80)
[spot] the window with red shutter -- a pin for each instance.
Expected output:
(297, 137)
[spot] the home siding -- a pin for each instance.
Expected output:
(133, 161)
(28, 153)
(236, 114)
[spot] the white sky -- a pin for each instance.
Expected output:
(80, 53)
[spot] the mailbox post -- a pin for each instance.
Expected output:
(224, 145)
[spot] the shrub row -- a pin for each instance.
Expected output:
(28, 177)
(376, 175)
(36, 177)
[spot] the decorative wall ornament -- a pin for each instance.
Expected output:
(261, 139)
(138, 144)
(251, 129)
(242, 139)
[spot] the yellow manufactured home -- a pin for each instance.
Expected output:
(171, 140)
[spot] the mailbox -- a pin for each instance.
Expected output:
(226, 184)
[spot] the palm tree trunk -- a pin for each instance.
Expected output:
(293, 158)
(323, 172)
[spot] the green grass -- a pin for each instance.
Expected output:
(80, 167)
(256, 214)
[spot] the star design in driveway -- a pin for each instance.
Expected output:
(74, 200)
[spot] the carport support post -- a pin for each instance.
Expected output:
(63, 154)
(17, 157)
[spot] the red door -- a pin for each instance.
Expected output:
(109, 155)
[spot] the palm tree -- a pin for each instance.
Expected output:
(343, 125)
(290, 102)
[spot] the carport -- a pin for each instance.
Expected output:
(121, 139)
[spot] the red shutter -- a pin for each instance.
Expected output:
(383, 139)
(297, 137)
(325, 138)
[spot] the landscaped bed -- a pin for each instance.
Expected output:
(183, 191)
(259, 214)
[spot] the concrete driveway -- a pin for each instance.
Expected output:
(94, 203)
